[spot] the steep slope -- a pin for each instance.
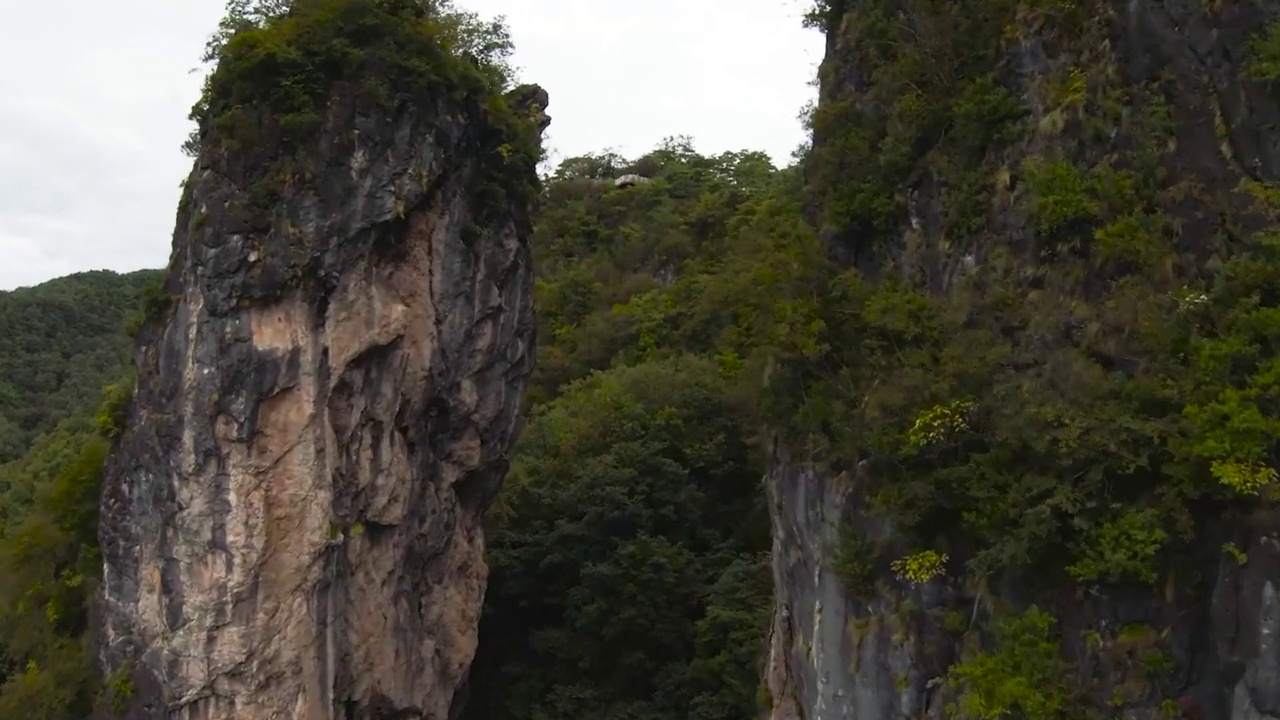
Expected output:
(291, 516)
(1027, 467)
(60, 342)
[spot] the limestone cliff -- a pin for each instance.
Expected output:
(932, 136)
(291, 519)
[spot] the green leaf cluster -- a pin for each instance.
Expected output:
(1024, 676)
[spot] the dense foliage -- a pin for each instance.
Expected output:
(629, 573)
(1088, 419)
(628, 553)
(276, 62)
(60, 343)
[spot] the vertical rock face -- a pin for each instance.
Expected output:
(831, 654)
(837, 653)
(291, 521)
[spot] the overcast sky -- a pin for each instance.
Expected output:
(94, 97)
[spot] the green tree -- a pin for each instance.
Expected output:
(625, 558)
(485, 44)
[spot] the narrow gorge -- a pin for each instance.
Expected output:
(967, 412)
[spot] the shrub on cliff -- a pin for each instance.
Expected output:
(283, 69)
(279, 59)
(1024, 677)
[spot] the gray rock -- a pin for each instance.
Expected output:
(629, 180)
(291, 521)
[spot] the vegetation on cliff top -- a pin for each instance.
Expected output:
(629, 576)
(283, 66)
(277, 62)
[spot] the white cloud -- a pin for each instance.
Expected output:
(95, 98)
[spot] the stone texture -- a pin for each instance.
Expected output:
(291, 522)
(834, 655)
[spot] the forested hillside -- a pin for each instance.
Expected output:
(61, 343)
(1042, 415)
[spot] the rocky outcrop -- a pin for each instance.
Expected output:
(630, 180)
(837, 652)
(291, 520)
(833, 654)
